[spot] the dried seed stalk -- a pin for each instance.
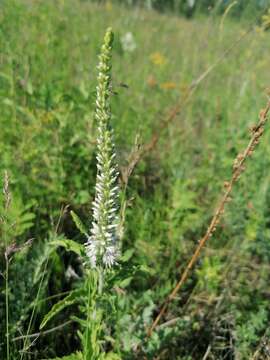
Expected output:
(238, 168)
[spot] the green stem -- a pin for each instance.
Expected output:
(34, 309)
(100, 280)
(88, 316)
(7, 309)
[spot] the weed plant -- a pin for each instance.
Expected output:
(183, 95)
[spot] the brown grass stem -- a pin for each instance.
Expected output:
(238, 168)
(42, 333)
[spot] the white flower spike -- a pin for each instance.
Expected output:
(102, 246)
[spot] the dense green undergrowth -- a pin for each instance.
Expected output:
(49, 53)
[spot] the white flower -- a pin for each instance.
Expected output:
(128, 42)
(101, 245)
(71, 273)
(191, 3)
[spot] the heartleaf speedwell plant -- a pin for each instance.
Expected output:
(102, 247)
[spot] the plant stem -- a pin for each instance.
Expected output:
(89, 306)
(7, 309)
(238, 168)
(34, 309)
(42, 333)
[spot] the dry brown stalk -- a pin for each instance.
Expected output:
(42, 333)
(238, 168)
(6, 191)
(263, 350)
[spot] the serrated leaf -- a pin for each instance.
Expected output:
(77, 221)
(69, 300)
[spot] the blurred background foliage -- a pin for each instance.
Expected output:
(48, 63)
(190, 8)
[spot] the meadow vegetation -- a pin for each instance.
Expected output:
(185, 96)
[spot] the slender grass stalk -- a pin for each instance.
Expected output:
(7, 309)
(43, 333)
(7, 198)
(26, 338)
(224, 16)
(238, 168)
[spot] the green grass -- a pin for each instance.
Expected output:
(49, 53)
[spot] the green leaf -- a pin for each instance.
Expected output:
(76, 356)
(71, 299)
(29, 88)
(146, 269)
(112, 356)
(69, 245)
(78, 223)
(82, 322)
(124, 283)
(127, 255)
(45, 253)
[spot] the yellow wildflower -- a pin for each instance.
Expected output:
(266, 20)
(158, 59)
(260, 30)
(184, 87)
(170, 85)
(108, 5)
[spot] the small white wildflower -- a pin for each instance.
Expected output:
(110, 255)
(102, 244)
(71, 273)
(191, 3)
(128, 42)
